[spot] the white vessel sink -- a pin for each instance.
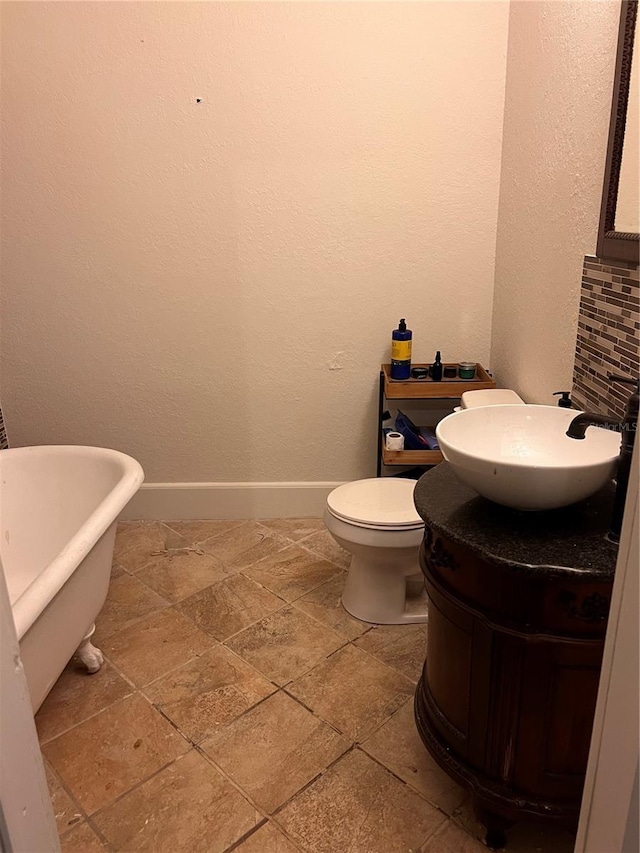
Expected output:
(520, 456)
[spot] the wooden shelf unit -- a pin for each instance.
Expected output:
(421, 389)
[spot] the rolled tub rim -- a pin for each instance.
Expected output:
(33, 600)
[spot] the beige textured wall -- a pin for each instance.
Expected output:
(211, 286)
(558, 97)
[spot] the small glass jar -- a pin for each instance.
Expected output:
(467, 369)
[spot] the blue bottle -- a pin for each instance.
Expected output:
(401, 351)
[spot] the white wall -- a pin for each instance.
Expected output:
(212, 286)
(558, 98)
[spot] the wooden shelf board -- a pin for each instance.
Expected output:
(425, 389)
(411, 457)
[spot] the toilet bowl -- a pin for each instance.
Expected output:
(375, 520)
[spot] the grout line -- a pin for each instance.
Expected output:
(251, 624)
(286, 605)
(232, 522)
(280, 594)
(132, 623)
(103, 838)
(325, 624)
(173, 669)
(384, 663)
(239, 717)
(246, 835)
(322, 556)
(137, 785)
(122, 674)
(231, 781)
(86, 719)
(311, 782)
(74, 802)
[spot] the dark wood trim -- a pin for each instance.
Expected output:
(612, 244)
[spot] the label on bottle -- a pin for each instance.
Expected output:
(400, 350)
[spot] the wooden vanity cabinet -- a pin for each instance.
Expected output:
(508, 692)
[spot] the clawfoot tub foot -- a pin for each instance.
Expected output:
(90, 656)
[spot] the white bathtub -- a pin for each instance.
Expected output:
(58, 511)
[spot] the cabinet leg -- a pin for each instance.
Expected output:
(497, 826)
(495, 839)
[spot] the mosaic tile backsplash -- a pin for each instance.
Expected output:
(608, 335)
(3, 433)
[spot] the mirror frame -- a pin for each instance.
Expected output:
(612, 244)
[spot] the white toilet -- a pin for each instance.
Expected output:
(376, 521)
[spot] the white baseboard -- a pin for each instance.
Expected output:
(173, 501)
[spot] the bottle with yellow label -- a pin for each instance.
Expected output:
(401, 351)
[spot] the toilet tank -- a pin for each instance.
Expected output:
(490, 397)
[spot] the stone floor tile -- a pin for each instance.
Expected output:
(465, 818)
(128, 600)
(360, 807)
(65, 810)
(156, 645)
(106, 755)
(292, 572)
(229, 606)
(452, 839)
(208, 692)
(267, 839)
(196, 532)
(285, 644)
(294, 528)
(398, 746)
(352, 691)
(178, 574)
(136, 541)
(274, 750)
(323, 544)
(245, 545)
(189, 807)
(404, 647)
(81, 839)
(324, 603)
(77, 695)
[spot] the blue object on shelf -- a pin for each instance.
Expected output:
(412, 438)
(429, 435)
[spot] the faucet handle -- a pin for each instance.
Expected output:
(628, 380)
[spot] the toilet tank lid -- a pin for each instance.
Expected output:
(491, 397)
(384, 501)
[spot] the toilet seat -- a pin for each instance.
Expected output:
(378, 503)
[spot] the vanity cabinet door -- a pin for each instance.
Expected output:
(448, 670)
(558, 700)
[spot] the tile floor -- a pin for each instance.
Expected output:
(241, 708)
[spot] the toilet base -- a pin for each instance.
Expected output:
(377, 593)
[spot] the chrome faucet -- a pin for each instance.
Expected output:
(628, 426)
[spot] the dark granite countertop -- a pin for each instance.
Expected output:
(571, 539)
